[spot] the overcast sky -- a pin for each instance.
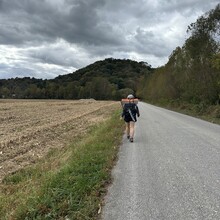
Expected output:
(47, 38)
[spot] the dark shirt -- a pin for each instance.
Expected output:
(130, 110)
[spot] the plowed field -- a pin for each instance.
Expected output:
(30, 128)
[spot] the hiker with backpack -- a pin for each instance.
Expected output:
(130, 110)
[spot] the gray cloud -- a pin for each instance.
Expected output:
(46, 38)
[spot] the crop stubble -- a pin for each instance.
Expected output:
(30, 128)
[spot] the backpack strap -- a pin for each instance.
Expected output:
(132, 117)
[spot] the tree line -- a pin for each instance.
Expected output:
(192, 73)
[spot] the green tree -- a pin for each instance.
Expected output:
(5, 92)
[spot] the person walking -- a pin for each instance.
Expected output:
(130, 110)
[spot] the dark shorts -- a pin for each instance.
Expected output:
(128, 118)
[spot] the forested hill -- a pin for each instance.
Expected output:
(106, 79)
(109, 68)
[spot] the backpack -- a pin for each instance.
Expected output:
(130, 110)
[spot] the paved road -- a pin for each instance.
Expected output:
(170, 172)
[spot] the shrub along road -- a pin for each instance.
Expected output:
(171, 171)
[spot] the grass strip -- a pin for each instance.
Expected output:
(75, 189)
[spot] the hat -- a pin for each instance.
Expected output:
(130, 96)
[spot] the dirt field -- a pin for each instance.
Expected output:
(29, 128)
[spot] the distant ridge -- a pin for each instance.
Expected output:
(106, 79)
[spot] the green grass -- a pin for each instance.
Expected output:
(68, 184)
(208, 113)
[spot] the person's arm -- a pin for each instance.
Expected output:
(137, 109)
(123, 111)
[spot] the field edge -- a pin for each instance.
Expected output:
(71, 187)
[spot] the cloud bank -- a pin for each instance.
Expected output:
(47, 38)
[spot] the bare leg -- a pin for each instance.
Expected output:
(127, 129)
(131, 129)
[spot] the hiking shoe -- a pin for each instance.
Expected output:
(131, 140)
(128, 136)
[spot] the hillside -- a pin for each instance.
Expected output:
(106, 79)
